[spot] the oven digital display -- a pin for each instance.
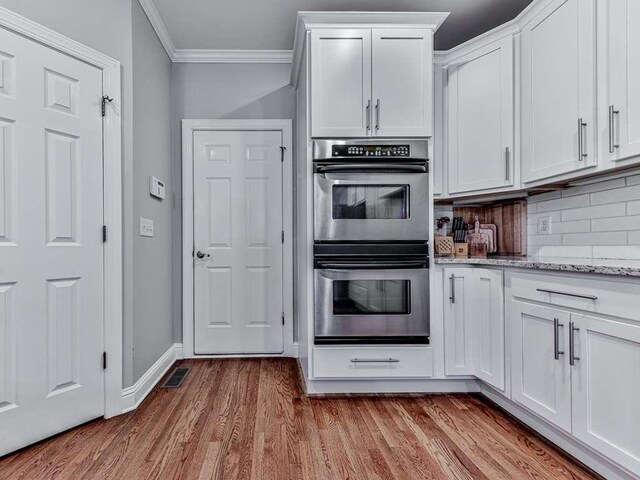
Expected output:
(371, 150)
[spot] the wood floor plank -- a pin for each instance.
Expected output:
(249, 419)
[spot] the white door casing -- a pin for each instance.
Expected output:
(238, 222)
(539, 381)
(51, 249)
(402, 77)
(558, 89)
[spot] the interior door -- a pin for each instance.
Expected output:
(481, 103)
(541, 376)
(605, 384)
(402, 78)
(341, 83)
(237, 242)
(619, 48)
(51, 254)
(558, 90)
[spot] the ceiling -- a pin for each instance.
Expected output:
(270, 24)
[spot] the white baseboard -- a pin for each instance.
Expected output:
(134, 395)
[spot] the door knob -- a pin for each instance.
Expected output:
(202, 255)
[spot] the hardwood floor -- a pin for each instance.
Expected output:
(246, 419)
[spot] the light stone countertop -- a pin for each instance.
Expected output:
(629, 268)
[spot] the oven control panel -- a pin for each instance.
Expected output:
(371, 150)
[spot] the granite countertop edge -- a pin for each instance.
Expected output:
(629, 268)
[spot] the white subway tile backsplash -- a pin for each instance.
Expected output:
(539, 240)
(633, 180)
(544, 196)
(563, 203)
(599, 238)
(617, 224)
(628, 252)
(625, 194)
(566, 251)
(594, 187)
(633, 208)
(600, 211)
(532, 219)
(577, 226)
(633, 238)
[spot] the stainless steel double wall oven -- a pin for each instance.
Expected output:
(370, 231)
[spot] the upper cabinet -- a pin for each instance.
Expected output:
(341, 82)
(371, 82)
(618, 81)
(480, 119)
(558, 90)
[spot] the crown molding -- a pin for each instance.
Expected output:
(158, 25)
(232, 56)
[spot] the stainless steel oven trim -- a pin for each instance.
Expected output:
(416, 323)
(322, 149)
(414, 228)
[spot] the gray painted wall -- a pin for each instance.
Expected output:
(152, 328)
(207, 91)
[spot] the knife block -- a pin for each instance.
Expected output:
(461, 250)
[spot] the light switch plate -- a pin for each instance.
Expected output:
(544, 226)
(156, 188)
(146, 227)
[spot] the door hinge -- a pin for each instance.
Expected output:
(282, 236)
(283, 318)
(104, 360)
(104, 234)
(282, 150)
(105, 99)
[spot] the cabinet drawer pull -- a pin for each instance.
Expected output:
(375, 360)
(556, 342)
(572, 346)
(567, 294)
(612, 129)
(452, 279)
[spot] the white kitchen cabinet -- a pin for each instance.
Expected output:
(371, 82)
(474, 324)
(341, 82)
(606, 386)
(540, 373)
(458, 316)
(488, 327)
(402, 72)
(558, 70)
(618, 80)
(480, 116)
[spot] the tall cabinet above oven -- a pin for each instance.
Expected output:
(364, 203)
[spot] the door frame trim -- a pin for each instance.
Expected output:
(112, 191)
(189, 127)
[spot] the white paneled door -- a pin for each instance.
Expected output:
(51, 253)
(238, 242)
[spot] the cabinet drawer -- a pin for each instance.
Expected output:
(372, 362)
(606, 297)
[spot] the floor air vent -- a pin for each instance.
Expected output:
(176, 378)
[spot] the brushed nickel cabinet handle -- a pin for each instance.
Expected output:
(377, 114)
(452, 279)
(556, 341)
(582, 150)
(375, 360)
(368, 113)
(507, 161)
(572, 347)
(612, 129)
(568, 294)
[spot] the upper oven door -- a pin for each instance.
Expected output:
(389, 206)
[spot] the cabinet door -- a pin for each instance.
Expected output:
(606, 388)
(480, 90)
(487, 312)
(540, 379)
(558, 90)
(458, 327)
(619, 77)
(340, 82)
(402, 79)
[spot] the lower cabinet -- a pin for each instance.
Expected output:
(474, 324)
(581, 373)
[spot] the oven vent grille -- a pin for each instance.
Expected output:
(176, 378)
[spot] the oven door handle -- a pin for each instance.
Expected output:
(371, 166)
(370, 266)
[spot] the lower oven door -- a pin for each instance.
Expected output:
(371, 306)
(371, 206)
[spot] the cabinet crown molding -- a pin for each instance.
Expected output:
(310, 20)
